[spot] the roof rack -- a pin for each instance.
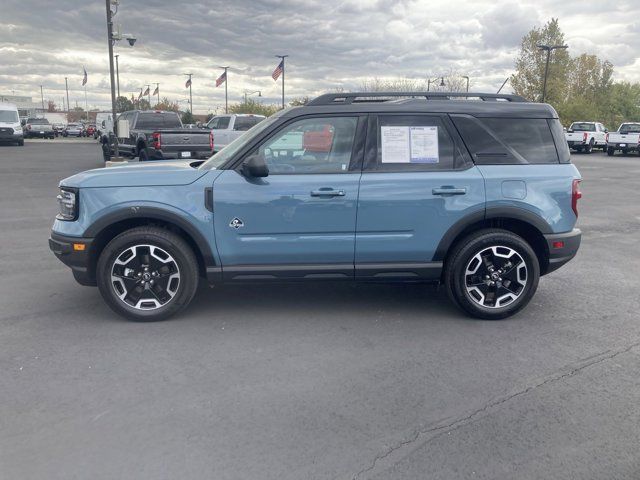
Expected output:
(368, 97)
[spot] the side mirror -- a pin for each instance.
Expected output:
(569, 130)
(255, 166)
(606, 131)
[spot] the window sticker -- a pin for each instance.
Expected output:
(409, 144)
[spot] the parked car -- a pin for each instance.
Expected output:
(90, 130)
(58, 129)
(626, 139)
(585, 136)
(477, 195)
(74, 130)
(159, 135)
(226, 128)
(104, 125)
(10, 128)
(38, 127)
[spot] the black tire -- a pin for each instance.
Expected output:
(21, 143)
(589, 147)
(106, 151)
(579, 149)
(183, 261)
(610, 151)
(465, 252)
(143, 156)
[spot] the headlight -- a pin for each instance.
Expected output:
(68, 204)
(17, 129)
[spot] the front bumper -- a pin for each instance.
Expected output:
(562, 247)
(9, 135)
(67, 250)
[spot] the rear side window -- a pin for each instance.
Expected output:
(415, 143)
(561, 142)
(245, 123)
(151, 121)
(507, 140)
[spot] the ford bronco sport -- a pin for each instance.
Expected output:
(475, 191)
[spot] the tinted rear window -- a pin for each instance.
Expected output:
(245, 123)
(583, 127)
(38, 121)
(630, 128)
(152, 120)
(507, 140)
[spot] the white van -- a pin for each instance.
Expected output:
(10, 127)
(104, 125)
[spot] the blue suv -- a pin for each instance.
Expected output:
(475, 191)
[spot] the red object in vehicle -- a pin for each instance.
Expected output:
(585, 136)
(91, 129)
(606, 138)
(576, 195)
(319, 141)
(156, 140)
(211, 140)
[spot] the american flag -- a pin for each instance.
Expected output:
(84, 79)
(278, 71)
(155, 92)
(188, 84)
(221, 79)
(146, 92)
(140, 94)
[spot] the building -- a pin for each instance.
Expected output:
(26, 106)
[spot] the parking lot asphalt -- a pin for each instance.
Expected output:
(318, 381)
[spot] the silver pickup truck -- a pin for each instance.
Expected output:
(38, 127)
(226, 128)
(626, 139)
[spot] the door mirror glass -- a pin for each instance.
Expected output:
(255, 166)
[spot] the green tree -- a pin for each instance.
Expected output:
(251, 106)
(530, 65)
(167, 105)
(143, 104)
(123, 104)
(187, 117)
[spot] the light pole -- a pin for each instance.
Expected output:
(548, 49)
(66, 85)
(117, 75)
(467, 78)
(247, 93)
(42, 96)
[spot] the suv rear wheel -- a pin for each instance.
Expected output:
(492, 274)
(147, 274)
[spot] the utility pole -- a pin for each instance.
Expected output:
(190, 92)
(282, 57)
(42, 96)
(111, 75)
(66, 84)
(548, 49)
(117, 75)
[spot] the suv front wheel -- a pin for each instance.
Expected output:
(147, 274)
(492, 274)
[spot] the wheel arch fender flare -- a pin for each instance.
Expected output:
(483, 218)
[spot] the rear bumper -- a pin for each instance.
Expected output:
(562, 248)
(170, 154)
(627, 146)
(78, 260)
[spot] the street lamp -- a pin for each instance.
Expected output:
(548, 49)
(247, 93)
(467, 78)
(112, 38)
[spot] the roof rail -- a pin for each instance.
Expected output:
(368, 97)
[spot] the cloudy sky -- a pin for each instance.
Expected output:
(331, 43)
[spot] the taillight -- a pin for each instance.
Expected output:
(584, 136)
(29, 127)
(606, 138)
(211, 141)
(576, 195)
(156, 140)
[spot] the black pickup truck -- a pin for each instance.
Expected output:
(159, 135)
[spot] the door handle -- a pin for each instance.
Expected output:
(449, 191)
(327, 192)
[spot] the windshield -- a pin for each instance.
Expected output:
(630, 128)
(8, 116)
(230, 150)
(583, 127)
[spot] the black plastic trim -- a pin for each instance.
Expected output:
(78, 261)
(559, 256)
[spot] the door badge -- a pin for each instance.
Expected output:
(236, 223)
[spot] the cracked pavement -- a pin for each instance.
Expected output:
(318, 381)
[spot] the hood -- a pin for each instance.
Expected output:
(163, 173)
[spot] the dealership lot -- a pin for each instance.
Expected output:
(321, 381)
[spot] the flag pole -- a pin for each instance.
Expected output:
(282, 57)
(149, 95)
(190, 93)
(226, 96)
(158, 92)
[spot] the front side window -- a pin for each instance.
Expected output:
(243, 124)
(313, 145)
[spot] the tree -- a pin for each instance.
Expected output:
(299, 102)
(123, 104)
(51, 106)
(187, 117)
(143, 104)
(251, 106)
(530, 65)
(167, 105)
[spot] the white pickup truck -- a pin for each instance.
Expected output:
(626, 139)
(226, 128)
(585, 136)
